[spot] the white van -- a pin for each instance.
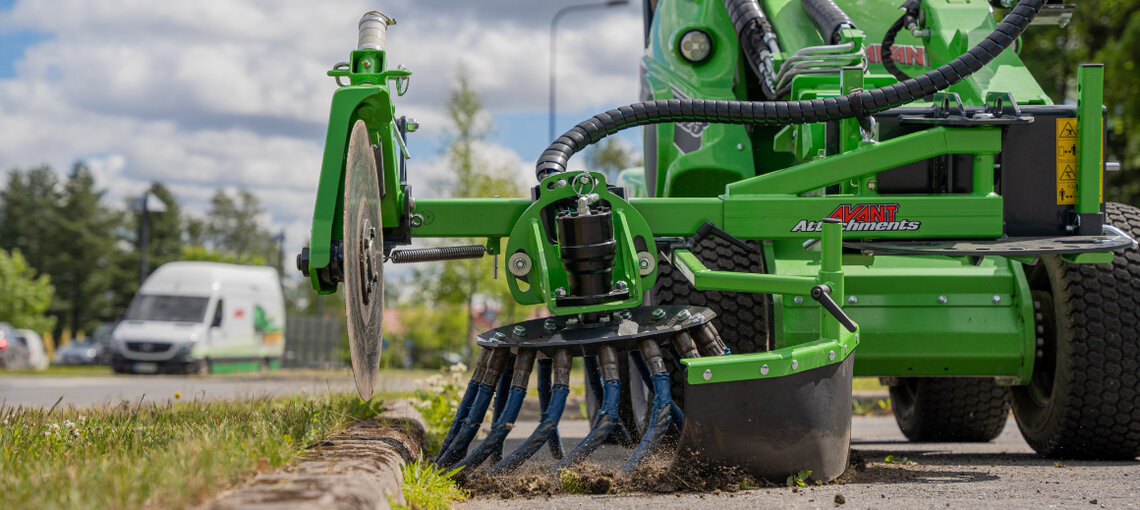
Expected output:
(203, 317)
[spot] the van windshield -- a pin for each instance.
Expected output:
(167, 308)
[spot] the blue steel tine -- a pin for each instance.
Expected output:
(502, 389)
(545, 366)
(458, 448)
(661, 414)
(524, 362)
(593, 379)
(607, 415)
(547, 427)
(466, 401)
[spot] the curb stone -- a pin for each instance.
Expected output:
(356, 469)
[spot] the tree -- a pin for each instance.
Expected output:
(24, 297)
(233, 229)
(611, 156)
(459, 282)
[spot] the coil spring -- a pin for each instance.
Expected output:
(436, 254)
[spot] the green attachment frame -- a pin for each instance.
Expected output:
(1090, 129)
(547, 275)
(833, 346)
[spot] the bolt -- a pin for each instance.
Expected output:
(643, 263)
(831, 355)
(584, 179)
(872, 185)
(560, 292)
(499, 335)
(520, 263)
(997, 299)
(683, 315)
(658, 314)
(795, 364)
(624, 314)
(520, 330)
(763, 369)
(366, 63)
(697, 317)
(942, 299)
(550, 324)
(739, 146)
(799, 300)
(852, 300)
(707, 375)
(621, 285)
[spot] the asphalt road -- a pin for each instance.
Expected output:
(82, 391)
(1001, 474)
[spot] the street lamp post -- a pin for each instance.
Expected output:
(553, 30)
(144, 205)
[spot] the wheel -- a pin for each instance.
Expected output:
(949, 409)
(1083, 400)
(742, 317)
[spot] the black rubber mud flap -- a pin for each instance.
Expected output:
(771, 428)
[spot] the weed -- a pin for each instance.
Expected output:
(891, 459)
(799, 479)
(427, 487)
(437, 399)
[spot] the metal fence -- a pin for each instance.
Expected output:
(313, 342)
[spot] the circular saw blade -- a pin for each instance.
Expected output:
(363, 260)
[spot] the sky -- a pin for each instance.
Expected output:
(209, 94)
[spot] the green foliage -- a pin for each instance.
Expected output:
(571, 482)
(199, 252)
(437, 399)
(427, 487)
(233, 228)
(798, 479)
(154, 455)
(24, 298)
(611, 156)
(891, 459)
(65, 231)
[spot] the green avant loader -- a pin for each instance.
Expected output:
(830, 189)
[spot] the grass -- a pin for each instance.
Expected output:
(867, 384)
(427, 487)
(171, 455)
(64, 370)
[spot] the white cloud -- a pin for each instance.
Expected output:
(208, 95)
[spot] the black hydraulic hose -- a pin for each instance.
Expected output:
(757, 39)
(858, 104)
(885, 50)
(829, 19)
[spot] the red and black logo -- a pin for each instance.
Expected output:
(864, 218)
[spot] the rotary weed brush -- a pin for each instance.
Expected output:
(813, 207)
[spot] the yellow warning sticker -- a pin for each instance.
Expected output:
(1066, 161)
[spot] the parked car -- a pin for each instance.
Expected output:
(103, 336)
(83, 351)
(13, 354)
(34, 343)
(197, 316)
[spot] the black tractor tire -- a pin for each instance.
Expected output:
(949, 409)
(743, 318)
(1084, 397)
